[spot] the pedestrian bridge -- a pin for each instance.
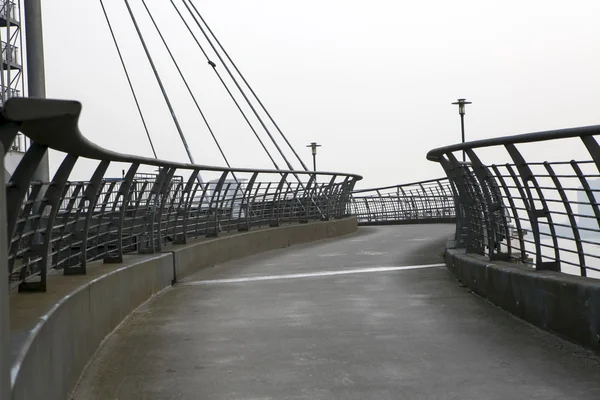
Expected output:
(166, 286)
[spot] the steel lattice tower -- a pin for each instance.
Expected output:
(11, 56)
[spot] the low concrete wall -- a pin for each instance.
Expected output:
(192, 257)
(64, 340)
(563, 304)
(59, 347)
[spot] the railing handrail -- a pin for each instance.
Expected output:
(435, 154)
(54, 123)
(396, 186)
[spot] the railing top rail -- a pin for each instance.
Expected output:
(396, 186)
(435, 154)
(54, 123)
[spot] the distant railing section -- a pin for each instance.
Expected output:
(427, 201)
(532, 198)
(65, 224)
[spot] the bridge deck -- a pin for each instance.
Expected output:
(240, 331)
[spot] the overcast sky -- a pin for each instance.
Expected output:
(370, 81)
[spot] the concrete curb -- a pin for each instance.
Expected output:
(60, 346)
(566, 305)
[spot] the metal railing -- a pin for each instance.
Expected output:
(513, 203)
(427, 201)
(66, 224)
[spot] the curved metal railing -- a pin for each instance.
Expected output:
(65, 224)
(418, 202)
(516, 204)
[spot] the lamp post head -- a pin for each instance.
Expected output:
(461, 105)
(313, 146)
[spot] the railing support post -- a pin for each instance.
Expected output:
(51, 198)
(461, 199)
(245, 206)
(494, 211)
(124, 194)
(214, 205)
(275, 212)
(528, 179)
(91, 196)
(306, 195)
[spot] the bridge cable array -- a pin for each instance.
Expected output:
(213, 65)
(135, 98)
(223, 58)
(249, 87)
(160, 84)
(241, 90)
(235, 81)
(191, 93)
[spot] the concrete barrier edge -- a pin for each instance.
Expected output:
(566, 305)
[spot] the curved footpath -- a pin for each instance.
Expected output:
(369, 316)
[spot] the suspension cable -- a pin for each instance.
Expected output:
(135, 98)
(238, 85)
(160, 84)
(186, 83)
(249, 87)
(213, 65)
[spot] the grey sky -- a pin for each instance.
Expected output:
(371, 81)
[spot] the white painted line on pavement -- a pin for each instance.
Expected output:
(309, 274)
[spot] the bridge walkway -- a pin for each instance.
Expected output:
(339, 319)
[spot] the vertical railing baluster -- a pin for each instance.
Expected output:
(91, 195)
(18, 184)
(492, 206)
(515, 215)
(161, 192)
(246, 202)
(569, 211)
(462, 199)
(214, 204)
(124, 194)
(183, 210)
(275, 212)
(306, 195)
(51, 199)
(534, 213)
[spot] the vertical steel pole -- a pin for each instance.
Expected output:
(462, 128)
(4, 328)
(36, 78)
(314, 162)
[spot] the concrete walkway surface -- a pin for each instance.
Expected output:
(369, 316)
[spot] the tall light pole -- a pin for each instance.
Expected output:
(313, 146)
(461, 110)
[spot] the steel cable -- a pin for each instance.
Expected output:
(137, 103)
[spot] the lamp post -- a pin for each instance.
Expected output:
(313, 146)
(461, 110)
